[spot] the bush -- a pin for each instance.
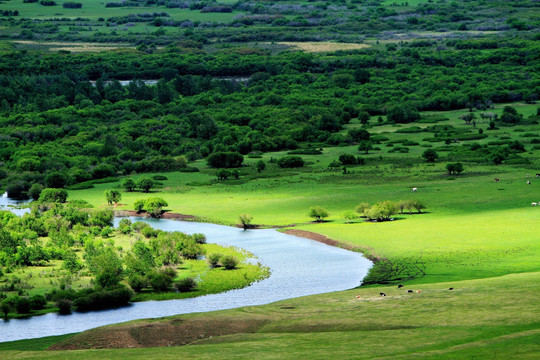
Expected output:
(162, 279)
(290, 162)
(348, 159)
(229, 262)
(53, 195)
(160, 177)
(137, 282)
(103, 299)
(22, 305)
(64, 306)
(213, 260)
(199, 238)
(37, 302)
(225, 159)
(185, 285)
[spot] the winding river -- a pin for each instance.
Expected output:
(299, 267)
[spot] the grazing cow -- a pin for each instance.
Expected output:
(358, 297)
(534, 204)
(496, 179)
(528, 182)
(410, 291)
(400, 286)
(414, 189)
(418, 291)
(451, 289)
(537, 175)
(382, 294)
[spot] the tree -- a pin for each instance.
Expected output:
(365, 146)
(223, 174)
(430, 155)
(347, 159)
(362, 208)
(5, 307)
(454, 168)
(402, 114)
(418, 205)
(53, 196)
(318, 213)
(113, 196)
(129, 184)
(145, 184)
(154, 206)
(382, 211)
(55, 180)
(245, 219)
(35, 191)
(139, 205)
(261, 166)
(350, 216)
(359, 134)
(364, 117)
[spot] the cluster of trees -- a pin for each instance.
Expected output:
(91, 131)
(81, 238)
(153, 206)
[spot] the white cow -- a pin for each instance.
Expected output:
(414, 189)
(534, 204)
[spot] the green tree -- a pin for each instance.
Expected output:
(129, 184)
(318, 213)
(113, 196)
(145, 184)
(35, 191)
(245, 220)
(430, 155)
(261, 166)
(154, 206)
(53, 195)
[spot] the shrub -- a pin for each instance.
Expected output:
(225, 159)
(154, 206)
(347, 159)
(185, 285)
(430, 155)
(53, 195)
(229, 262)
(245, 219)
(162, 279)
(199, 238)
(318, 213)
(129, 184)
(37, 302)
(213, 260)
(137, 282)
(35, 191)
(22, 305)
(145, 185)
(160, 177)
(64, 306)
(290, 162)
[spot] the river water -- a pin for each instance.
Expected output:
(298, 266)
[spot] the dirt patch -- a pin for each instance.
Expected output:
(175, 332)
(311, 46)
(321, 238)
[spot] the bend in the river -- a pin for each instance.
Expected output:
(298, 266)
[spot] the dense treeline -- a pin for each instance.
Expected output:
(290, 20)
(60, 122)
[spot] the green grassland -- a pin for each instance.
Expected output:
(95, 9)
(476, 235)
